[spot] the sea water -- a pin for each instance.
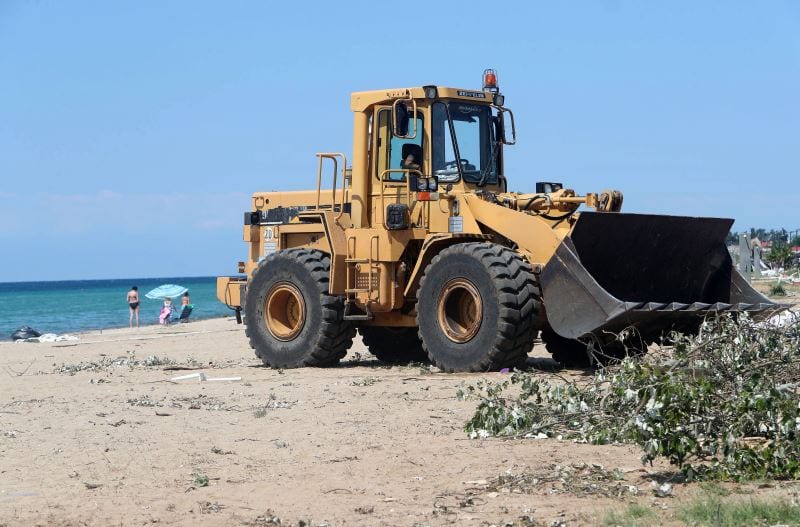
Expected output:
(80, 305)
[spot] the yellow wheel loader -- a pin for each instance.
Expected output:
(419, 245)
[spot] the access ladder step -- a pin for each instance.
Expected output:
(357, 317)
(347, 315)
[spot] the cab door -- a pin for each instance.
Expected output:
(393, 155)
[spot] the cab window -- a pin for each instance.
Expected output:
(464, 143)
(403, 153)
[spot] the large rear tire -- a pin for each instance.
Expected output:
(476, 308)
(291, 319)
(394, 345)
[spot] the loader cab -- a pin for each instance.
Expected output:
(412, 145)
(458, 142)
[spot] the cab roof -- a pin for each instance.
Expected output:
(361, 100)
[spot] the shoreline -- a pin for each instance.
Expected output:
(154, 324)
(146, 331)
(85, 306)
(175, 327)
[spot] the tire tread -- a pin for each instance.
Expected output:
(335, 335)
(518, 300)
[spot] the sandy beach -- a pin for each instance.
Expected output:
(94, 432)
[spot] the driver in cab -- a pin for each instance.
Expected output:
(412, 157)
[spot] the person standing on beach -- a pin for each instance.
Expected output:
(133, 304)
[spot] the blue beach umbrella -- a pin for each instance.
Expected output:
(166, 290)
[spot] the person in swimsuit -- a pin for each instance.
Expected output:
(133, 303)
(185, 301)
(166, 312)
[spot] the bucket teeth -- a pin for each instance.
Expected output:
(698, 306)
(674, 306)
(630, 306)
(720, 306)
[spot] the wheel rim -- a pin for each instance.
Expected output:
(460, 310)
(284, 311)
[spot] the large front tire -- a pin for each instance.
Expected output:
(291, 319)
(570, 353)
(476, 308)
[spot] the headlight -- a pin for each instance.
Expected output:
(431, 92)
(422, 184)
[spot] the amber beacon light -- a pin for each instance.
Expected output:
(490, 81)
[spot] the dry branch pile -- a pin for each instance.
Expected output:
(723, 404)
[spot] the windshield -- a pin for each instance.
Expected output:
(466, 138)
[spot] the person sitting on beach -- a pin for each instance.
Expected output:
(185, 299)
(166, 312)
(133, 304)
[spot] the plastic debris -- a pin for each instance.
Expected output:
(48, 337)
(662, 491)
(201, 376)
(784, 318)
(25, 332)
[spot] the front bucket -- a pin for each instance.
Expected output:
(652, 273)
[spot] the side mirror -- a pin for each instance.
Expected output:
(400, 120)
(501, 119)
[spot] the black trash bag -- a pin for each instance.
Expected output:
(25, 332)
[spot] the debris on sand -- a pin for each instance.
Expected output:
(207, 507)
(664, 490)
(365, 381)
(108, 364)
(201, 376)
(578, 479)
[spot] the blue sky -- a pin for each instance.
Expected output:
(132, 133)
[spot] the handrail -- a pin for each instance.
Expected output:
(405, 171)
(371, 264)
(333, 156)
